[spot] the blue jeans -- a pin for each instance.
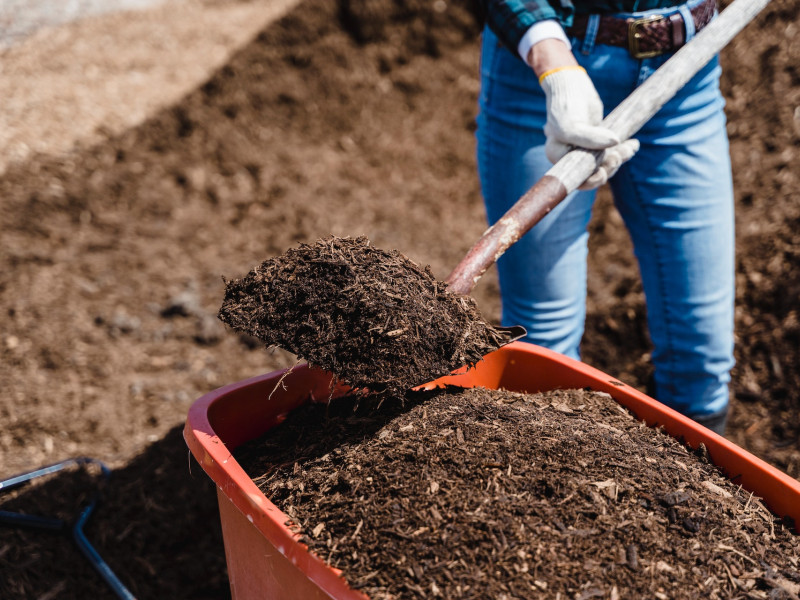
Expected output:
(675, 196)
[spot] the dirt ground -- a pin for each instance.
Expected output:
(154, 172)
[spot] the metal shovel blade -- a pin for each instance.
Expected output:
(515, 332)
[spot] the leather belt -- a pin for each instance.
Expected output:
(647, 36)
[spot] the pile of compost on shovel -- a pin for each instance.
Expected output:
(374, 318)
(488, 494)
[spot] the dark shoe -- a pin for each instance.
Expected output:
(716, 422)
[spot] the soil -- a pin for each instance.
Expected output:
(374, 318)
(346, 119)
(487, 494)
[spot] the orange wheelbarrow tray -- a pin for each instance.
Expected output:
(265, 558)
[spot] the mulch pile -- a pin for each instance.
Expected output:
(373, 317)
(487, 494)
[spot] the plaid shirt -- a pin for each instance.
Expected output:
(510, 19)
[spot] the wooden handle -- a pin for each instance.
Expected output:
(625, 120)
(527, 211)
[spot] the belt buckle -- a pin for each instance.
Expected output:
(635, 34)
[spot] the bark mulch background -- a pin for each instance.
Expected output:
(344, 118)
(486, 494)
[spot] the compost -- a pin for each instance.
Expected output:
(374, 318)
(486, 494)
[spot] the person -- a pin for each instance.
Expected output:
(549, 70)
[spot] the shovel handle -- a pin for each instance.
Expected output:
(625, 120)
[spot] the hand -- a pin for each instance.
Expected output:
(574, 115)
(610, 163)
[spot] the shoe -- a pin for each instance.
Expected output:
(716, 421)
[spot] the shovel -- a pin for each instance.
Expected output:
(578, 165)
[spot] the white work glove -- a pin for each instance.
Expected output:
(574, 113)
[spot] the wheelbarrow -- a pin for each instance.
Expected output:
(267, 560)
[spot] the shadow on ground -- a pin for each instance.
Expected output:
(150, 512)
